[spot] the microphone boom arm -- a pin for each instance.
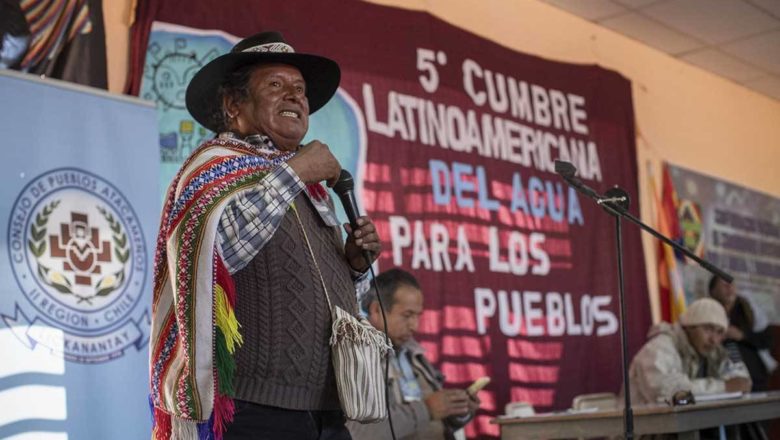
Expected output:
(611, 205)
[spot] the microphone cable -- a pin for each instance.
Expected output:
(366, 256)
(343, 188)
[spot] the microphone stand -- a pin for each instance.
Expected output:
(615, 202)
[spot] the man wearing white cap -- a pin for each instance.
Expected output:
(687, 356)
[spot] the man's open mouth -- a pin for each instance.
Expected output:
(290, 114)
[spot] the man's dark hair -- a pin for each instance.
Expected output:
(713, 283)
(389, 282)
(236, 86)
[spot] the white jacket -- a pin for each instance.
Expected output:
(668, 363)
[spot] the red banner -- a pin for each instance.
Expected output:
(459, 138)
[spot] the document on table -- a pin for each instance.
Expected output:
(717, 396)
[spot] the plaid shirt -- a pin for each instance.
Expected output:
(251, 219)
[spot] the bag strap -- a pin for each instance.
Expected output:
(311, 252)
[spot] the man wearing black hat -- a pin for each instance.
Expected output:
(249, 248)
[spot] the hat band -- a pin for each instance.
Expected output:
(271, 47)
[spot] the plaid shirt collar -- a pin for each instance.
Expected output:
(260, 142)
(316, 192)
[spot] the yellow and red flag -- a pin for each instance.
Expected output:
(670, 290)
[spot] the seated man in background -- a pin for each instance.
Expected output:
(687, 356)
(420, 406)
(747, 334)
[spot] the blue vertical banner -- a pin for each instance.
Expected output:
(79, 208)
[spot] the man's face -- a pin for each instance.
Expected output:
(277, 105)
(403, 316)
(724, 293)
(705, 337)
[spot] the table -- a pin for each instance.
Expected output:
(685, 421)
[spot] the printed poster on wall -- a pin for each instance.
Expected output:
(734, 228)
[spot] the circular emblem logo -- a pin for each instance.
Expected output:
(171, 74)
(78, 253)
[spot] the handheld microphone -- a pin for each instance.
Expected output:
(569, 174)
(345, 189)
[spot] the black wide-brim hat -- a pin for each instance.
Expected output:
(322, 75)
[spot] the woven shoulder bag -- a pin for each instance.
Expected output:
(357, 349)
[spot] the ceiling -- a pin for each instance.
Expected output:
(736, 39)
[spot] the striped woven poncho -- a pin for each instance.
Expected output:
(194, 329)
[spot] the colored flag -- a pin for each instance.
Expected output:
(670, 290)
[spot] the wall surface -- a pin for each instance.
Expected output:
(684, 114)
(117, 18)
